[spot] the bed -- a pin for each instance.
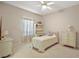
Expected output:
(44, 42)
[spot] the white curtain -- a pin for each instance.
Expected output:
(29, 28)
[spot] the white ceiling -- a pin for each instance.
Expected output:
(35, 6)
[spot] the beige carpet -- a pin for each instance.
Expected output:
(56, 51)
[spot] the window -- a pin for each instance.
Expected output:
(29, 28)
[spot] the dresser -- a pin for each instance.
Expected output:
(69, 39)
(5, 47)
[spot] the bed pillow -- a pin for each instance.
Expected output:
(50, 33)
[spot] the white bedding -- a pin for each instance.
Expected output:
(43, 42)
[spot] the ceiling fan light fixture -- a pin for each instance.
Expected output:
(44, 6)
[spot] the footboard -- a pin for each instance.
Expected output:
(43, 45)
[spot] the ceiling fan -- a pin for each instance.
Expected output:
(46, 4)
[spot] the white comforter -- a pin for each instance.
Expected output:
(43, 42)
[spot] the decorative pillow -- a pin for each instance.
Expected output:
(49, 33)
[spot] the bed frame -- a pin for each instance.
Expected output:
(36, 49)
(45, 48)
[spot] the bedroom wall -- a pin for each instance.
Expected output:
(12, 22)
(59, 21)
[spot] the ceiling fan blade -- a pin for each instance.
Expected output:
(49, 8)
(50, 3)
(41, 2)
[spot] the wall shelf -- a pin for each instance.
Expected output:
(39, 29)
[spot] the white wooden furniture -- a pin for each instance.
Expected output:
(69, 39)
(5, 47)
(43, 42)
